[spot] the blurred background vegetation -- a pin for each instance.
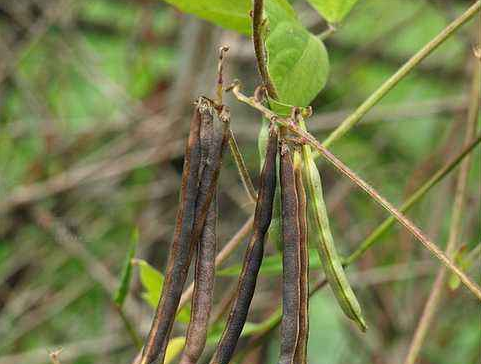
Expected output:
(95, 98)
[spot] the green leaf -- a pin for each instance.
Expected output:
(465, 260)
(184, 315)
(152, 281)
(271, 265)
(333, 10)
(285, 110)
(174, 347)
(121, 293)
(297, 60)
(232, 14)
(249, 329)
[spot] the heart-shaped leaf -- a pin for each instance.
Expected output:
(297, 60)
(232, 14)
(152, 281)
(333, 10)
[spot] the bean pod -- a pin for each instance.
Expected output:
(253, 257)
(321, 231)
(196, 198)
(204, 276)
(291, 236)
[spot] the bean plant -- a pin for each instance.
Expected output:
(290, 210)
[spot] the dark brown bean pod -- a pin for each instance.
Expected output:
(182, 250)
(203, 291)
(204, 277)
(301, 349)
(178, 255)
(207, 135)
(290, 258)
(207, 189)
(253, 257)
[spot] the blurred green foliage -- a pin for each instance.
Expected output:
(85, 73)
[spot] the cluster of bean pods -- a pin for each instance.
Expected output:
(195, 231)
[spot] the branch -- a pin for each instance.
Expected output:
(242, 168)
(233, 146)
(415, 197)
(403, 220)
(259, 47)
(54, 356)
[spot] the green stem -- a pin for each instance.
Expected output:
(356, 116)
(328, 32)
(129, 327)
(242, 168)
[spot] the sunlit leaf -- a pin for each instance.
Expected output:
(232, 14)
(174, 347)
(297, 60)
(121, 293)
(465, 260)
(333, 10)
(152, 281)
(271, 265)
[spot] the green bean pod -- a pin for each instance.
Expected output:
(321, 230)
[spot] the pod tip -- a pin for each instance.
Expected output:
(362, 324)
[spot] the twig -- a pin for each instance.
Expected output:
(402, 112)
(220, 74)
(28, 296)
(56, 304)
(54, 356)
(409, 225)
(233, 146)
(113, 342)
(242, 168)
(95, 268)
(328, 32)
(375, 97)
(411, 201)
(93, 172)
(259, 47)
(455, 229)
